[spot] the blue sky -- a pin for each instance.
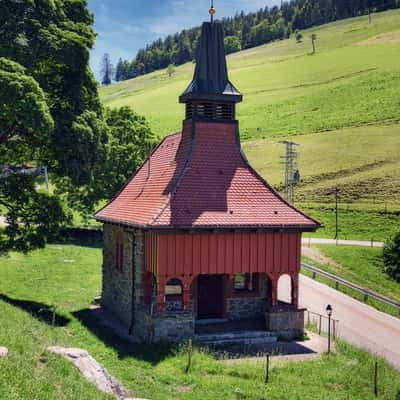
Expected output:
(124, 26)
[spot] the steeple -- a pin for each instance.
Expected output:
(211, 96)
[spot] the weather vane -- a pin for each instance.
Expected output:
(212, 11)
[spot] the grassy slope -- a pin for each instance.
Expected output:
(363, 266)
(286, 90)
(48, 277)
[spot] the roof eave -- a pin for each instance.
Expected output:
(272, 227)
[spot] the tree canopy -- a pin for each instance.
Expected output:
(252, 29)
(50, 114)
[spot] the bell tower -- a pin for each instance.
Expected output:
(211, 97)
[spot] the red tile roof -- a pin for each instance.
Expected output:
(201, 179)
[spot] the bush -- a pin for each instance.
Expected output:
(232, 44)
(298, 36)
(391, 257)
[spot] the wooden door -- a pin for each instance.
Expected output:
(211, 296)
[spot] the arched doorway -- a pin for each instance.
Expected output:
(285, 289)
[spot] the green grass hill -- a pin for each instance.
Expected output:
(342, 105)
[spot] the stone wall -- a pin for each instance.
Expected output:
(117, 285)
(287, 324)
(173, 329)
(239, 308)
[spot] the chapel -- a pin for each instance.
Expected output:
(197, 241)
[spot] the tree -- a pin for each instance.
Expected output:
(32, 218)
(24, 114)
(130, 139)
(171, 70)
(119, 71)
(298, 36)
(232, 44)
(391, 257)
(51, 40)
(25, 129)
(107, 70)
(313, 39)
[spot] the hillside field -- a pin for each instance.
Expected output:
(341, 105)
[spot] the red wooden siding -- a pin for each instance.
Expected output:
(176, 255)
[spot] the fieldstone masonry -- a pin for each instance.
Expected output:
(288, 324)
(117, 285)
(245, 307)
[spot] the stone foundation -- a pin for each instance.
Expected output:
(287, 324)
(173, 329)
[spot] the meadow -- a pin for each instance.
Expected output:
(64, 278)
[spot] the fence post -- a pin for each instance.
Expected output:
(190, 352)
(334, 329)
(267, 370)
(337, 285)
(376, 379)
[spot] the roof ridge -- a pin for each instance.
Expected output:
(173, 191)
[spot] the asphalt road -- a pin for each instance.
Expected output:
(340, 242)
(359, 324)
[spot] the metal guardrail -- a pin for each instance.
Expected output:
(340, 281)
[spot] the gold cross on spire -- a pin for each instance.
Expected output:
(212, 11)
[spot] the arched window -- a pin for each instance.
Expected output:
(173, 290)
(174, 296)
(247, 282)
(119, 252)
(285, 289)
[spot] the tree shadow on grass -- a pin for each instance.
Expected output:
(94, 321)
(40, 311)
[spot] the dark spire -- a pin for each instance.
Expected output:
(210, 81)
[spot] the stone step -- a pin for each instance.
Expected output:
(241, 337)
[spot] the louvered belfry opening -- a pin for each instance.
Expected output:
(210, 111)
(211, 96)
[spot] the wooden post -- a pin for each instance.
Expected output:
(190, 353)
(376, 379)
(267, 370)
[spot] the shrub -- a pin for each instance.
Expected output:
(391, 257)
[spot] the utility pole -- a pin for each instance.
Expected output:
(337, 193)
(292, 175)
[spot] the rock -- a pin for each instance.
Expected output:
(3, 352)
(93, 371)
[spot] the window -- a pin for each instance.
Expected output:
(245, 282)
(119, 252)
(173, 289)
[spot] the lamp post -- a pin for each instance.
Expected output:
(329, 312)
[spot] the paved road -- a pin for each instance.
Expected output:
(359, 323)
(362, 243)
